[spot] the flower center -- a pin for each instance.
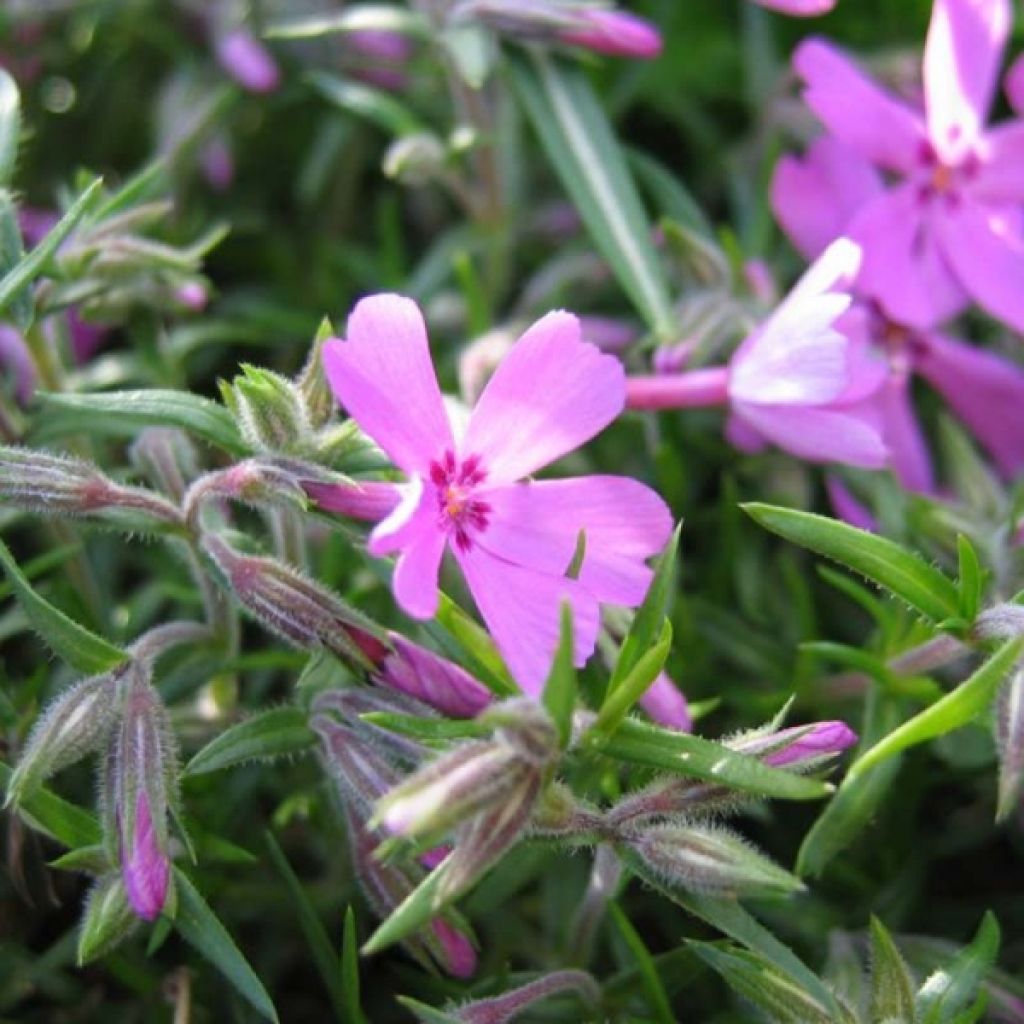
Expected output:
(458, 511)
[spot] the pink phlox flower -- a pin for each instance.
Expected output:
(514, 539)
(804, 384)
(948, 228)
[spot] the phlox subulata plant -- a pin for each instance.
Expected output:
(511, 511)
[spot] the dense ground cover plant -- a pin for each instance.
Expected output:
(511, 511)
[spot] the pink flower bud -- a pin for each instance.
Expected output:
(193, 296)
(459, 956)
(86, 338)
(217, 164)
(369, 500)
(509, 1005)
(248, 61)
(145, 867)
(800, 745)
(15, 356)
(616, 33)
(667, 704)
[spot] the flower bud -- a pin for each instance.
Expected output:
(1009, 733)
(304, 613)
(73, 725)
(15, 356)
(138, 788)
(616, 33)
(370, 500)
(168, 458)
(107, 920)
(415, 159)
(434, 680)
(270, 411)
(192, 295)
(667, 704)
(311, 381)
(710, 860)
(256, 482)
(509, 1005)
(801, 747)
(480, 359)
(247, 61)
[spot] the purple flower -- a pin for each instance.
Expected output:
(799, 8)
(513, 539)
(144, 866)
(616, 33)
(809, 744)
(948, 229)
(667, 704)
(248, 61)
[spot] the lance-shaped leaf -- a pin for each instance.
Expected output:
(971, 581)
(276, 732)
(956, 986)
(892, 991)
(699, 758)
(200, 927)
(34, 263)
(108, 919)
(635, 684)
(375, 105)
(12, 252)
(125, 413)
(954, 710)
(882, 561)
(654, 990)
(477, 644)
(49, 813)
(81, 649)
(353, 1013)
(560, 689)
(584, 152)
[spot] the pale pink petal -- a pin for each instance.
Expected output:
(983, 389)
(904, 266)
(1001, 173)
(814, 198)
(416, 571)
(819, 435)
(855, 110)
(846, 506)
(383, 376)
(743, 436)
(667, 704)
(867, 367)
(987, 255)
(961, 61)
(408, 519)
(908, 449)
(537, 524)
(522, 610)
(1014, 85)
(552, 393)
(799, 8)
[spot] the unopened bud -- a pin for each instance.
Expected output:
(710, 860)
(509, 1005)
(1001, 622)
(168, 458)
(800, 747)
(192, 295)
(73, 725)
(314, 390)
(434, 680)
(256, 482)
(667, 704)
(247, 61)
(16, 358)
(304, 613)
(138, 788)
(616, 33)
(415, 159)
(368, 500)
(560, 814)
(481, 358)
(107, 920)
(270, 411)
(1009, 733)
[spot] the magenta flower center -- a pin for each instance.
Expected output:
(459, 513)
(940, 180)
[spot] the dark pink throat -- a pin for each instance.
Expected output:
(459, 513)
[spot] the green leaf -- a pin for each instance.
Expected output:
(892, 992)
(200, 927)
(856, 803)
(368, 103)
(312, 927)
(886, 563)
(472, 51)
(647, 623)
(583, 150)
(432, 730)
(21, 276)
(427, 1014)
(45, 811)
(107, 921)
(972, 579)
(670, 197)
(354, 18)
(476, 643)
(10, 126)
(954, 710)
(560, 689)
(81, 649)
(952, 988)
(12, 252)
(409, 916)
(620, 701)
(124, 413)
(276, 732)
(353, 1013)
(657, 998)
(684, 754)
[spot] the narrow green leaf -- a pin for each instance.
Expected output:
(583, 150)
(354, 18)
(409, 916)
(432, 730)
(45, 811)
(350, 971)
(954, 710)
(955, 986)
(368, 103)
(10, 126)
(972, 579)
(684, 754)
(312, 927)
(917, 687)
(892, 991)
(427, 1014)
(200, 927)
(21, 276)
(476, 643)
(81, 649)
(107, 920)
(670, 196)
(276, 732)
(620, 701)
(124, 413)
(882, 561)
(657, 998)
(647, 623)
(560, 689)
(12, 252)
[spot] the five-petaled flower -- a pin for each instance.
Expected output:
(514, 539)
(948, 227)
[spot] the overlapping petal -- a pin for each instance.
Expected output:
(384, 377)
(908, 449)
(1001, 174)
(552, 393)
